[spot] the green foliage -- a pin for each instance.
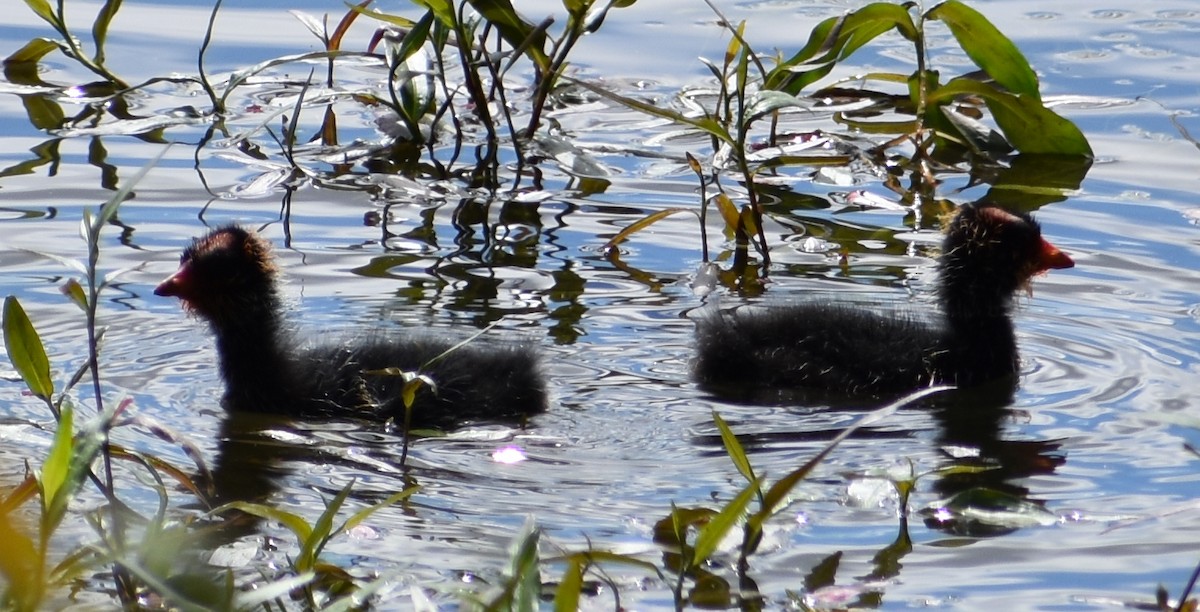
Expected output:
(25, 350)
(312, 538)
(691, 536)
(931, 120)
(471, 46)
(1008, 87)
(69, 44)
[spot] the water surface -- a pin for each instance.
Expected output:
(1092, 439)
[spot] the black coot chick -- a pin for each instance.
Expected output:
(228, 278)
(987, 255)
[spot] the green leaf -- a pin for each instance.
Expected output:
(988, 48)
(442, 9)
(514, 30)
(362, 515)
(18, 565)
(603, 556)
(25, 350)
(768, 101)
(100, 27)
(408, 393)
(310, 547)
(57, 466)
(525, 574)
(640, 225)
(294, 522)
(32, 52)
(42, 8)
(413, 39)
(729, 211)
(566, 596)
(1029, 126)
(73, 290)
(1030, 181)
(837, 38)
(711, 534)
(734, 449)
(43, 113)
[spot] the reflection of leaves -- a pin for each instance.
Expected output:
(1029, 126)
(44, 153)
(21, 67)
(984, 511)
(1031, 181)
(43, 113)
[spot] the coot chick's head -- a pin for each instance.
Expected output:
(988, 254)
(225, 276)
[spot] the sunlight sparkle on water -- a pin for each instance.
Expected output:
(508, 454)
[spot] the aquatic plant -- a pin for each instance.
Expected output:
(68, 43)
(690, 538)
(933, 128)
(146, 554)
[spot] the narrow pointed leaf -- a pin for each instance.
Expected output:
(718, 527)
(396, 20)
(640, 225)
(57, 466)
(100, 28)
(779, 490)
(318, 27)
(18, 564)
(442, 9)
(704, 124)
(566, 596)
(733, 448)
(362, 515)
(73, 290)
(343, 26)
(311, 547)
(294, 522)
(728, 210)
